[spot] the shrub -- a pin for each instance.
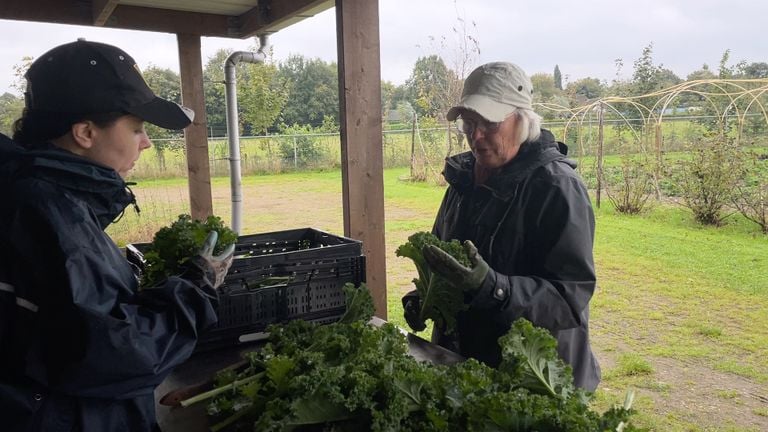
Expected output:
(630, 186)
(301, 146)
(750, 195)
(707, 180)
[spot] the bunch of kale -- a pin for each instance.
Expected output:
(173, 245)
(352, 376)
(440, 300)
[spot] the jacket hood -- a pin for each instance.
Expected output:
(99, 186)
(459, 169)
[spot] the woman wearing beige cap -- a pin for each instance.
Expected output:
(526, 220)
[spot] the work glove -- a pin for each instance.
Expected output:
(478, 280)
(212, 269)
(411, 311)
(467, 278)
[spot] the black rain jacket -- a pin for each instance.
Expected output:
(81, 349)
(534, 225)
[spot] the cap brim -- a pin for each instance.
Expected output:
(163, 113)
(487, 108)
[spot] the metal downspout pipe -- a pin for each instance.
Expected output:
(233, 129)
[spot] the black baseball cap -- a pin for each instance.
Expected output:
(86, 77)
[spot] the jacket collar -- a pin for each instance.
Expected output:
(459, 169)
(99, 186)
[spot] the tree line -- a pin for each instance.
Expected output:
(300, 94)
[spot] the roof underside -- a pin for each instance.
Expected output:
(221, 18)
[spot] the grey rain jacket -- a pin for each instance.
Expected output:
(80, 348)
(534, 225)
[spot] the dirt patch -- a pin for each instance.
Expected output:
(692, 392)
(276, 208)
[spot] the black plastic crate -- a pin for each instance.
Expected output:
(277, 277)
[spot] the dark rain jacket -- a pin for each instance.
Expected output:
(534, 225)
(80, 348)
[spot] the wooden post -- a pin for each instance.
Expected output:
(196, 134)
(413, 143)
(658, 167)
(357, 34)
(600, 136)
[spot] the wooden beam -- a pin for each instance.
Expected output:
(80, 12)
(273, 15)
(51, 11)
(179, 22)
(196, 134)
(102, 10)
(357, 32)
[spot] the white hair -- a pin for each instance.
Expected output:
(528, 124)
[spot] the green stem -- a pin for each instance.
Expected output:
(233, 418)
(218, 390)
(427, 299)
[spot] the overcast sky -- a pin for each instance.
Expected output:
(584, 38)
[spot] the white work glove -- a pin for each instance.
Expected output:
(212, 269)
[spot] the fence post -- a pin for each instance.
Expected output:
(599, 154)
(295, 155)
(657, 171)
(413, 141)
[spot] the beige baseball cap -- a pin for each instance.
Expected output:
(494, 90)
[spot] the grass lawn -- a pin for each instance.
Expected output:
(680, 313)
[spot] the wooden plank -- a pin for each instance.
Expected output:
(271, 16)
(52, 11)
(179, 22)
(196, 134)
(102, 10)
(220, 7)
(357, 32)
(278, 14)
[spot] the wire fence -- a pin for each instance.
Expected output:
(162, 169)
(601, 136)
(273, 154)
(424, 150)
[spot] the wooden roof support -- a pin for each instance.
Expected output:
(196, 134)
(102, 10)
(179, 22)
(273, 15)
(357, 33)
(53, 11)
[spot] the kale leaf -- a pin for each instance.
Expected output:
(359, 304)
(441, 301)
(354, 376)
(530, 354)
(173, 245)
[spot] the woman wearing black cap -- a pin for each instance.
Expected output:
(81, 349)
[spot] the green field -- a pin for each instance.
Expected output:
(680, 314)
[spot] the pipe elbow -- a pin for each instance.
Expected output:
(263, 45)
(233, 59)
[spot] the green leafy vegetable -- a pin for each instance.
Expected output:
(173, 245)
(530, 353)
(353, 376)
(359, 304)
(440, 300)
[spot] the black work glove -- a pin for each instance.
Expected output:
(411, 311)
(212, 269)
(478, 280)
(467, 278)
